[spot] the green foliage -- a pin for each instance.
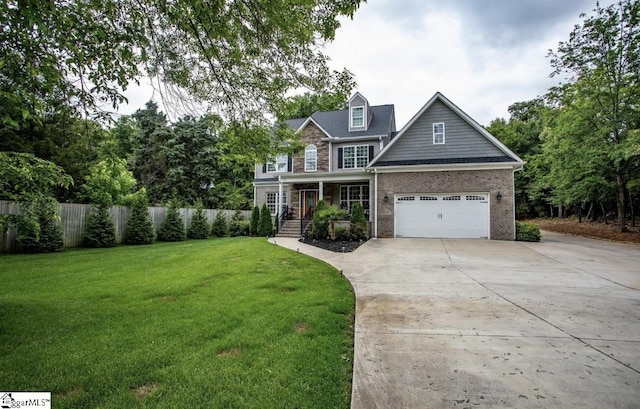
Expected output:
(319, 227)
(25, 178)
(139, 228)
(255, 220)
(342, 233)
(527, 232)
(358, 222)
(303, 106)
(172, 227)
(199, 227)
(100, 231)
(238, 226)
(599, 102)
(42, 232)
(265, 225)
(331, 214)
(108, 182)
(219, 226)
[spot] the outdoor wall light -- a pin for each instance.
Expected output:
(385, 198)
(499, 196)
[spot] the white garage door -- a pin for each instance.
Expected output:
(459, 215)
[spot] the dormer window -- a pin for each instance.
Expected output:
(357, 117)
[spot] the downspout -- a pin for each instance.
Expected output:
(375, 199)
(330, 149)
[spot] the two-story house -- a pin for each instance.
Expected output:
(441, 175)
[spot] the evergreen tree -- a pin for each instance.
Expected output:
(100, 232)
(238, 225)
(199, 227)
(172, 227)
(358, 222)
(140, 226)
(219, 227)
(255, 220)
(265, 226)
(41, 234)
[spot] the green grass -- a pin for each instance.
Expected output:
(223, 323)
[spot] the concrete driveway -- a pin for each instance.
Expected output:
(476, 323)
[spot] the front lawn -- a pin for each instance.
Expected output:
(223, 323)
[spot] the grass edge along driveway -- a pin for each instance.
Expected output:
(235, 322)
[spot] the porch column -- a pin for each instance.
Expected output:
(375, 204)
(320, 191)
(279, 209)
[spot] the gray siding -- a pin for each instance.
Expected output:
(461, 139)
(334, 153)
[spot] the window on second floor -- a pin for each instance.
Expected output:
(357, 117)
(280, 165)
(438, 133)
(311, 159)
(355, 156)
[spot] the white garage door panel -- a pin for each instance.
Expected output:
(439, 215)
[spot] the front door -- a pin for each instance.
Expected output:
(309, 200)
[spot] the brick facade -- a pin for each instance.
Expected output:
(502, 213)
(312, 135)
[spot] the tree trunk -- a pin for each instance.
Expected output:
(622, 216)
(604, 213)
(580, 213)
(589, 212)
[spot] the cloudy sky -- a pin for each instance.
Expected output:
(483, 55)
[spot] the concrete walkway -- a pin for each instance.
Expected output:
(476, 323)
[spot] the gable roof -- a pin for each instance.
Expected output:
(506, 154)
(335, 124)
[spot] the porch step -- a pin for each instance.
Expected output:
(290, 228)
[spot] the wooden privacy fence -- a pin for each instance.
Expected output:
(73, 217)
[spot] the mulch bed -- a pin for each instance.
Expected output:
(587, 228)
(337, 246)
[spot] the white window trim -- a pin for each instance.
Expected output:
(280, 161)
(355, 156)
(307, 150)
(273, 207)
(360, 200)
(351, 117)
(438, 133)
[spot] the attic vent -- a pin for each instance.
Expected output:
(425, 198)
(476, 198)
(451, 198)
(406, 198)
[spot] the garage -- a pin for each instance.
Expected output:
(457, 215)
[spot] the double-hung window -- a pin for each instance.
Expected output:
(355, 156)
(350, 194)
(311, 159)
(272, 201)
(357, 117)
(280, 165)
(438, 133)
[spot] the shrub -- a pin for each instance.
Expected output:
(331, 214)
(342, 233)
(100, 232)
(319, 227)
(172, 227)
(199, 227)
(527, 232)
(139, 228)
(42, 232)
(254, 220)
(219, 227)
(358, 222)
(238, 225)
(265, 226)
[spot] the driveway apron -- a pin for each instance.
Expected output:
(476, 323)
